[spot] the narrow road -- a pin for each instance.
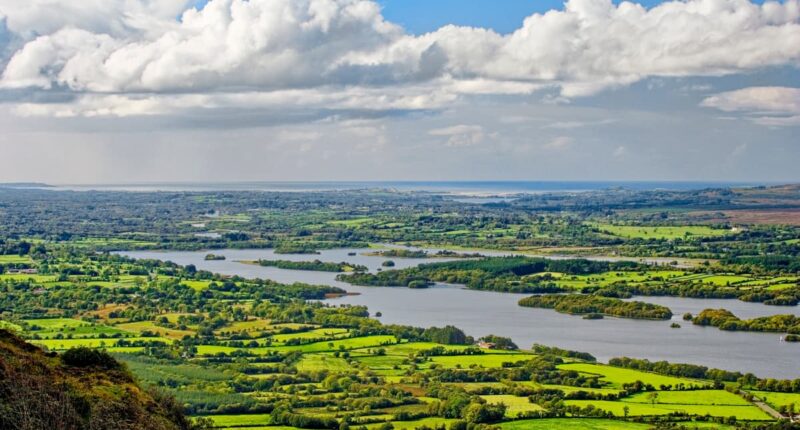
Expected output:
(764, 407)
(768, 409)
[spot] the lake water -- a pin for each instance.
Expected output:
(480, 313)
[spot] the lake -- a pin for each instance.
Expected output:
(480, 313)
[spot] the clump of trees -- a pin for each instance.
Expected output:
(89, 357)
(315, 265)
(583, 304)
(558, 352)
(499, 342)
(675, 369)
(491, 274)
(726, 320)
(448, 335)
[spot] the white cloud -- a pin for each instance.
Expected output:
(119, 18)
(346, 50)
(299, 135)
(139, 104)
(758, 99)
(770, 106)
(567, 125)
(559, 143)
(460, 135)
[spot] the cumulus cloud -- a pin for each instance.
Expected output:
(567, 125)
(771, 106)
(119, 18)
(460, 135)
(134, 52)
(401, 98)
(559, 143)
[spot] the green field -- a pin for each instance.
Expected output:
(324, 346)
(747, 413)
(140, 326)
(56, 323)
(482, 360)
(43, 279)
(573, 424)
(665, 233)
(694, 397)
(62, 344)
(411, 425)
(6, 325)
(593, 424)
(15, 259)
(616, 376)
(197, 285)
(316, 334)
(320, 362)
(777, 400)
(231, 421)
(515, 405)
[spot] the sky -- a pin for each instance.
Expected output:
(121, 91)
(504, 16)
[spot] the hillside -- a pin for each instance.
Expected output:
(80, 389)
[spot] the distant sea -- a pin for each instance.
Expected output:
(474, 188)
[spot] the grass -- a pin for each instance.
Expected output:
(482, 360)
(5, 325)
(257, 326)
(616, 376)
(320, 362)
(354, 222)
(15, 259)
(661, 233)
(777, 400)
(477, 386)
(609, 278)
(111, 242)
(39, 279)
(140, 326)
(410, 425)
(324, 346)
(568, 389)
(226, 421)
(320, 333)
(747, 413)
(573, 424)
(593, 424)
(61, 344)
(56, 323)
(412, 347)
(695, 397)
(196, 285)
(84, 332)
(659, 277)
(516, 405)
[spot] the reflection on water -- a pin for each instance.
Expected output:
(480, 313)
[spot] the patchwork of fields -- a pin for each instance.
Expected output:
(339, 351)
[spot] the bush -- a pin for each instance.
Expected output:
(87, 357)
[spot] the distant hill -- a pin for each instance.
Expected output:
(24, 185)
(80, 389)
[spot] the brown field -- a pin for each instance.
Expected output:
(755, 216)
(107, 309)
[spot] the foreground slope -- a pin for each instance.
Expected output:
(81, 389)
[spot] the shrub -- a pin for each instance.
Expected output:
(87, 357)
